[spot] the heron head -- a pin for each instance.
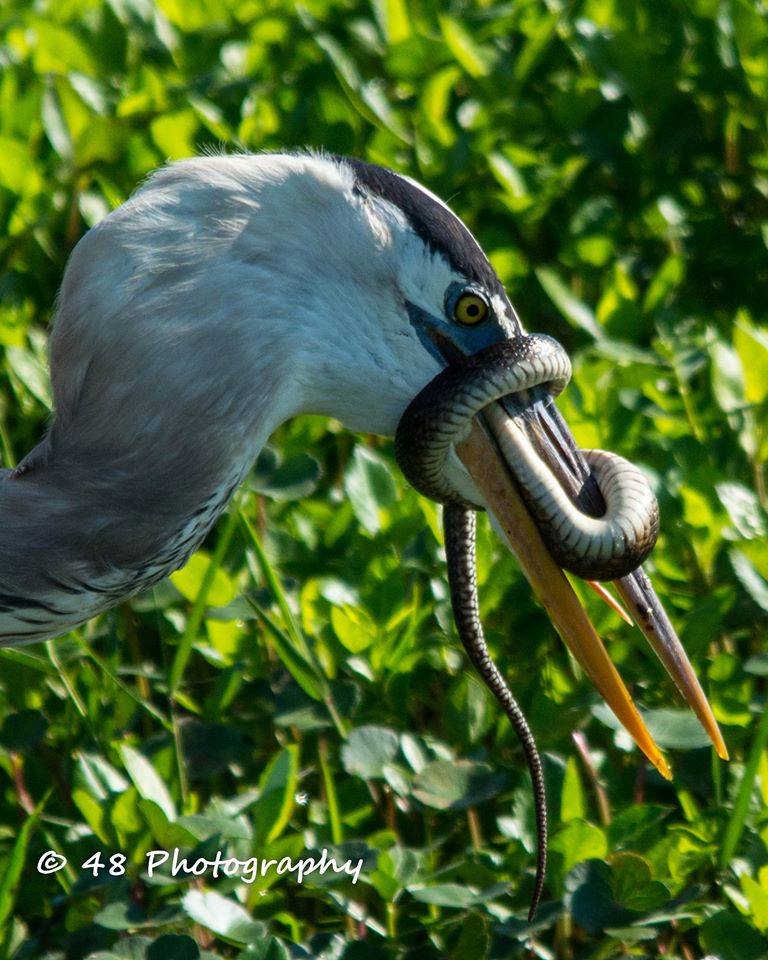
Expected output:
(264, 286)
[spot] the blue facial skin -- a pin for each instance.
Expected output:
(448, 340)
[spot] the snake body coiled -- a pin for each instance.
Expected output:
(605, 547)
(595, 548)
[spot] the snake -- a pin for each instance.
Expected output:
(602, 547)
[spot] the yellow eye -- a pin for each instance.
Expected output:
(470, 308)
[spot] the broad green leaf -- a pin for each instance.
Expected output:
(194, 15)
(446, 785)
(575, 311)
(126, 915)
(369, 485)
(367, 750)
(508, 175)
(59, 50)
(446, 895)
(98, 776)
(727, 377)
(222, 916)
(744, 509)
(579, 840)
(189, 580)
(474, 941)
(757, 896)
(277, 786)
(751, 345)
(572, 803)
(293, 479)
(394, 19)
(353, 628)
(174, 133)
(475, 60)
(729, 937)
(29, 370)
(675, 729)
(755, 585)
(435, 101)
(96, 814)
(268, 949)
(147, 780)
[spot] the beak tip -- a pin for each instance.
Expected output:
(663, 767)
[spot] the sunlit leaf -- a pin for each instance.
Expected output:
(222, 916)
(573, 309)
(368, 749)
(147, 781)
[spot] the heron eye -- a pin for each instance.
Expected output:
(470, 308)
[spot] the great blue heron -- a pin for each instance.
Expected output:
(233, 292)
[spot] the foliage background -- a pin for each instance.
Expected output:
(612, 157)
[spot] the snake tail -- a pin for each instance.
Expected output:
(460, 527)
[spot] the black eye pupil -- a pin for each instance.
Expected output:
(473, 310)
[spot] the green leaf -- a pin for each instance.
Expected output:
(222, 916)
(757, 664)
(131, 948)
(668, 277)
(353, 628)
(758, 900)
(124, 915)
(473, 58)
(393, 18)
(14, 867)
(59, 50)
(474, 941)
(370, 487)
(751, 345)
(147, 780)
(509, 176)
(30, 371)
(577, 313)
(589, 898)
(268, 949)
(577, 841)
(96, 814)
(744, 509)
(447, 785)
(208, 585)
(749, 578)
(727, 377)
(189, 580)
(738, 817)
(367, 750)
(293, 479)
(675, 729)
(98, 776)
(277, 787)
(728, 937)
(300, 668)
(572, 802)
(446, 895)
(633, 884)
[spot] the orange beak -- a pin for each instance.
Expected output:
(479, 454)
